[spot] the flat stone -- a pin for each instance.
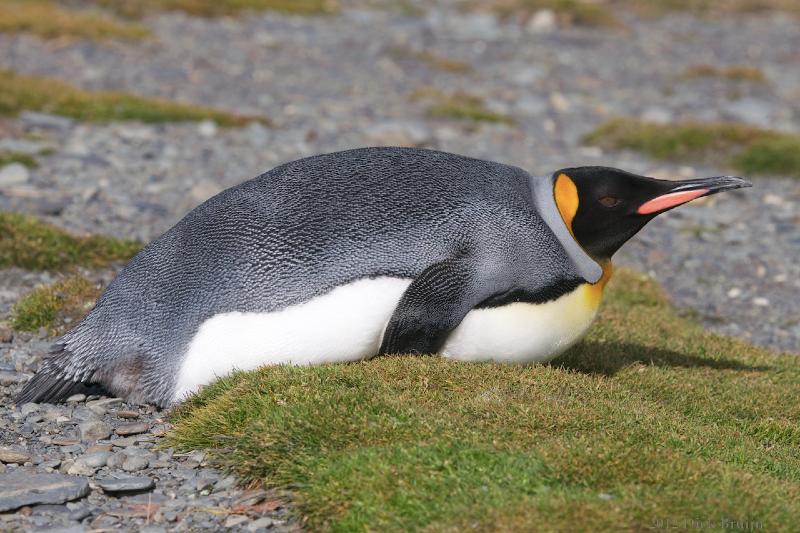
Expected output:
(95, 430)
(127, 414)
(14, 455)
(23, 487)
(132, 429)
(14, 174)
(76, 398)
(120, 484)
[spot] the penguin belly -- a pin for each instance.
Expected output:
(347, 324)
(522, 332)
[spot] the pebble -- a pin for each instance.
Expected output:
(45, 121)
(14, 455)
(134, 463)
(95, 430)
(132, 429)
(14, 174)
(126, 484)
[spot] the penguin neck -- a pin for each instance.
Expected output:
(545, 204)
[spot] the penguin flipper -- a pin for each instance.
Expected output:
(433, 305)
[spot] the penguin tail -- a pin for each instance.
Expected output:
(53, 382)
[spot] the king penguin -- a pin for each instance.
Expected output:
(344, 256)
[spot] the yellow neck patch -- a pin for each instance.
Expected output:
(594, 293)
(566, 196)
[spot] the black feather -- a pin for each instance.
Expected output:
(51, 384)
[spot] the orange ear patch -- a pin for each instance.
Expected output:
(566, 195)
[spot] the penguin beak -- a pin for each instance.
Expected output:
(681, 192)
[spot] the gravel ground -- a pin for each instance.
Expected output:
(344, 81)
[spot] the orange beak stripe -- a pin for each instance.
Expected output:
(666, 201)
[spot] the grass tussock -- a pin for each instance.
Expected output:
(746, 148)
(50, 20)
(648, 419)
(458, 106)
(29, 243)
(55, 307)
(219, 8)
(18, 93)
(733, 72)
(6, 158)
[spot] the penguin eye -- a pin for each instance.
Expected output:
(610, 201)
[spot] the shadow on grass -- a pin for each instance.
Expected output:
(609, 358)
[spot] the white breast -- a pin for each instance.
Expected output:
(347, 324)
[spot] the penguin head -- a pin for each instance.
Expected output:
(604, 207)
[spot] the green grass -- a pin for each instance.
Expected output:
(18, 93)
(458, 106)
(29, 243)
(55, 307)
(6, 158)
(219, 8)
(52, 21)
(746, 148)
(649, 419)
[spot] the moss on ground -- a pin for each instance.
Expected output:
(649, 420)
(733, 72)
(458, 106)
(433, 60)
(6, 158)
(51, 20)
(29, 243)
(746, 148)
(55, 307)
(218, 8)
(19, 92)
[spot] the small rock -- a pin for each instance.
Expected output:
(207, 128)
(543, 21)
(263, 522)
(116, 460)
(235, 520)
(657, 115)
(127, 414)
(76, 398)
(135, 463)
(761, 301)
(9, 378)
(735, 292)
(14, 174)
(14, 455)
(104, 402)
(94, 460)
(118, 484)
(46, 121)
(94, 430)
(24, 487)
(132, 429)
